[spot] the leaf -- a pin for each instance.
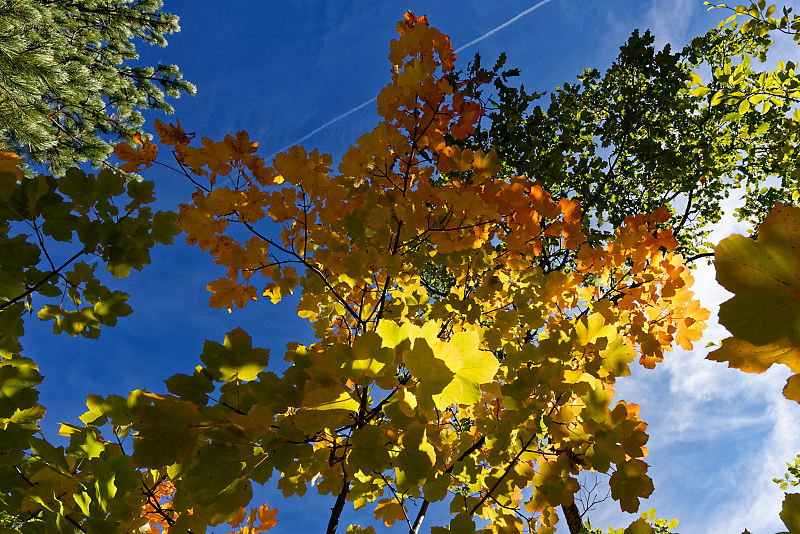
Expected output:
(11, 163)
(790, 512)
(229, 295)
(369, 452)
(764, 276)
(450, 371)
(743, 355)
(332, 398)
(235, 358)
(434, 376)
(193, 388)
(629, 483)
(172, 135)
(792, 389)
(136, 158)
(591, 328)
(368, 358)
(169, 431)
(268, 517)
(18, 379)
(764, 313)
(389, 511)
(414, 463)
(640, 526)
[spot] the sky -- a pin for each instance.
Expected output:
(281, 70)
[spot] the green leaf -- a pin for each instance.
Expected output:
(640, 526)
(414, 463)
(235, 358)
(330, 398)
(432, 374)
(18, 380)
(790, 512)
(764, 276)
(367, 358)
(193, 388)
(169, 431)
(369, 451)
(165, 227)
(590, 328)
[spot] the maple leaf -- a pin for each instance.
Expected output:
(10, 162)
(764, 276)
(389, 511)
(217, 157)
(764, 313)
(240, 147)
(629, 483)
(229, 295)
(267, 518)
(172, 135)
(134, 159)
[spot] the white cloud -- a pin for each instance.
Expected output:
(718, 436)
(669, 20)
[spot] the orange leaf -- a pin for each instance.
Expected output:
(135, 158)
(228, 294)
(268, 518)
(10, 162)
(792, 389)
(172, 135)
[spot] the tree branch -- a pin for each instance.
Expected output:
(511, 465)
(420, 517)
(573, 517)
(336, 511)
(698, 256)
(41, 282)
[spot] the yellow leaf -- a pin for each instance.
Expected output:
(389, 511)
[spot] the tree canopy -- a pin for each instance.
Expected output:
(69, 84)
(684, 129)
(474, 293)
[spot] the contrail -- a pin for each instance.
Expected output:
(374, 98)
(329, 123)
(503, 25)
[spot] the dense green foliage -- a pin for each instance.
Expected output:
(69, 84)
(684, 129)
(54, 235)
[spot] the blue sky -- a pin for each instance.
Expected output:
(281, 69)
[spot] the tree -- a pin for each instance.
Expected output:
(451, 361)
(502, 383)
(68, 90)
(683, 129)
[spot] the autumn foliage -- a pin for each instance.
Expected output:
(470, 319)
(454, 359)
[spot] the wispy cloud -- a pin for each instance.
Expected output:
(364, 104)
(669, 20)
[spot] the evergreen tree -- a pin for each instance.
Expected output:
(67, 85)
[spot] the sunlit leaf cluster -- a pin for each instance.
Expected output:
(473, 294)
